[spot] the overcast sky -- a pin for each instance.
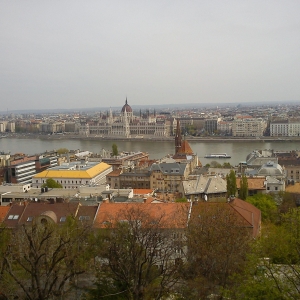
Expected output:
(61, 54)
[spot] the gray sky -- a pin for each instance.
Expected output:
(60, 54)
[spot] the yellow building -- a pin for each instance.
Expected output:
(74, 174)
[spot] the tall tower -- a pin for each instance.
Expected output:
(126, 124)
(110, 117)
(178, 137)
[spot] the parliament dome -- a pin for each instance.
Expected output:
(126, 107)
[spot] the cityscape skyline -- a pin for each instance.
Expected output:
(94, 54)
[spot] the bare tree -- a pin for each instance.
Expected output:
(217, 242)
(139, 255)
(43, 261)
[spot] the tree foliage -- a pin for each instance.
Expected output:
(62, 151)
(115, 151)
(51, 183)
(215, 164)
(273, 270)
(183, 199)
(266, 204)
(231, 183)
(243, 193)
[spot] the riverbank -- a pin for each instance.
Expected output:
(237, 149)
(217, 139)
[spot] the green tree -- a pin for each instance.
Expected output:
(62, 151)
(51, 183)
(215, 164)
(243, 192)
(266, 204)
(226, 165)
(114, 150)
(183, 199)
(231, 183)
(272, 270)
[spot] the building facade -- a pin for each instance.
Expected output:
(74, 174)
(245, 126)
(127, 125)
(286, 128)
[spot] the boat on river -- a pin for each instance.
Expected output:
(217, 155)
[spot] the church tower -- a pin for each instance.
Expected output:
(178, 137)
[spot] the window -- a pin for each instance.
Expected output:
(29, 219)
(84, 218)
(63, 219)
(13, 217)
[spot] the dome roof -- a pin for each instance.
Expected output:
(271, 169)
(126, 107)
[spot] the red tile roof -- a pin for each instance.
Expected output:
(185, 148)
(3, 212)
(247, 214)
(114, 173)
(253, 183)
(170, 215)
(142, 191)
(26, 213)
(14, 214)
(87, 213)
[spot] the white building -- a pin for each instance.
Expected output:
(287, 128)
(248, 127)
(74, 174)
(127, 125)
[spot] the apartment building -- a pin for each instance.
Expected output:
(246, 126)
(224, 127)
(287, 128)
(167, 177)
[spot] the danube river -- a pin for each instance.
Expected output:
(156, 149)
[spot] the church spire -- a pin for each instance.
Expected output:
(177, 137)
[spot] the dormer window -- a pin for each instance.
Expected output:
(13, 217)
(84, 218)
(63, 219)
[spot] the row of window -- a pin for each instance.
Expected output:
(65, 181)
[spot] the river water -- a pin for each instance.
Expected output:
(156, 149)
